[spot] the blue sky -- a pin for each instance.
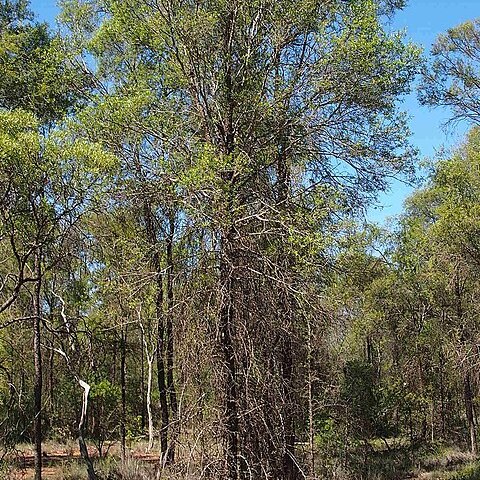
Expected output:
(422, 20)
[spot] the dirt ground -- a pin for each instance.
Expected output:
(54, 460)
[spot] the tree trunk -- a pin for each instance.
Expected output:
(287, 323)
(170, 340)
(51, 383)
(161, 371)
(150, 359)
(227, 265)
(226, 327)
(142, 382)
(81, 431)
(289, 467)
(149, 403)
(37, 424)
(442, 398)
(311, 418)
(161, 380)
(468, 398)
(467, 385)
(123, 387)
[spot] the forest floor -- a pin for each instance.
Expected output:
(64, 461)
(424, 463)
(59, 459)
(448, 464)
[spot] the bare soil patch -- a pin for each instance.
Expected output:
(53, 462)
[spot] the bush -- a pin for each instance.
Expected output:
(470, 472)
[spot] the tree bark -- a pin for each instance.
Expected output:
(161, 378)
(468, 399)
(51, 382)
(123, 387)
(172, 393)
(37, 424)
(142, 382)
(286, 305)
(161, 370)
(227, 266)
(81, 431)
(150, 356)
(226, 327)
(149, 403)
(289, 467)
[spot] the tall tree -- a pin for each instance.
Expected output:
(31, 71)
(267, 108)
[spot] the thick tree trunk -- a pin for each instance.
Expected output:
(37, 423)
(227, 265)
(231, 401)
(289, 467)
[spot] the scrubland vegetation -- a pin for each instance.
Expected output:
(188, 286)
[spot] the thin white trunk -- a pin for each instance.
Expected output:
(81, 429)
(149, 403)
(86, 391)
(150, 355)
(83, 417)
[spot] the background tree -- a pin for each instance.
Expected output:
(451, 79)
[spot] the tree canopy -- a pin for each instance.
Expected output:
(183, 252)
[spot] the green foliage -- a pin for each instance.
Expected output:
(107, 393)
(360, 397)
(33, 74)
(105, 403)
(14, 12)
(215, 159)
(451, 78)
(470, 472)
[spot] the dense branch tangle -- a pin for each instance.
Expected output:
(239, 128)
(271, 95)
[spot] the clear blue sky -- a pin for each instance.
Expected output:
(422, 20)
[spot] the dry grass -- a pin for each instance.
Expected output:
(445, 464)
(63, 462)
(447, 458)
